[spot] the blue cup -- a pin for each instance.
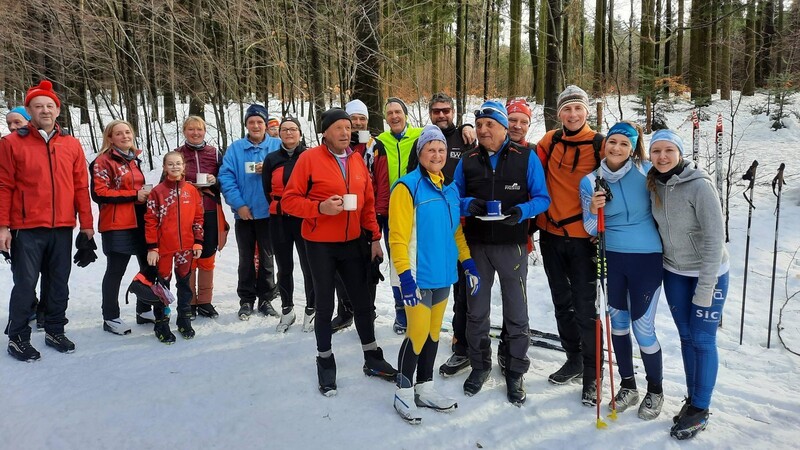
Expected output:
(493, 207)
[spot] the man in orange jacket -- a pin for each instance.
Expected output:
(331, 189)
(44, 184)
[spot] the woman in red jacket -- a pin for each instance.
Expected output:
(174, 232)
(118, 187)
(201, 158)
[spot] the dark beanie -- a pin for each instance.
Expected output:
(294, 121)
(256, 110)
(399, 102)
(330, 116)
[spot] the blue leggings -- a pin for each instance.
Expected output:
(634, 287)
(697, 327)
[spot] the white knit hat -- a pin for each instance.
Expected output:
(357, 107)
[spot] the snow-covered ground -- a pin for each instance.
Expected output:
(242, 385)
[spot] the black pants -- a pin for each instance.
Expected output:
(285, 236)
(326, 259)
(210, 234)
(570, 265)
(252, 284)
(45, 250)
(116, 265)
(459, 346)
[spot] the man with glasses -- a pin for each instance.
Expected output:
(499, 170)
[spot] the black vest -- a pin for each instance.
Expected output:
(507, 183)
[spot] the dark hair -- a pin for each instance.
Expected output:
(440, 97)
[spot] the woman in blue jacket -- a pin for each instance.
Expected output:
(424, 210)
(634, 261)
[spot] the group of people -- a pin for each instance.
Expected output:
(456, 206)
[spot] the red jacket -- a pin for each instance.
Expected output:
(317, 176)
(43, 184)
(116, 182)
(380, 179)
(203, 160)
(174, 218)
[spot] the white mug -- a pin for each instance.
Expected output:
(202, 178)
(349, 202)
(363, 136)
(249, 167)
(147, 187)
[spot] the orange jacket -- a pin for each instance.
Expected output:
(116, 182)
(174, 218)
(563, 175)
(317, 176)
(43, 184)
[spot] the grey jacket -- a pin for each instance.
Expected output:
(689, 219)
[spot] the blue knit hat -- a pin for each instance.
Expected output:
(256, 110)
(21, 111)
(429, 133)
(493, 110)
(626, 130)
(669, 136)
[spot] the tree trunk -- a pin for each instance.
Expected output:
(667, 42)
(679, 41)
(533, 48)
(599, 41)
(486, 51)
(647, 50)
(367, 85)
(768, 33)
(610, 42)
(700, 53)
(725, 51)
(461, 67)
(315, 67)
(552, 84)
(515, 47)
(749, 87)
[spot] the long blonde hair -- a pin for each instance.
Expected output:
(107, 145)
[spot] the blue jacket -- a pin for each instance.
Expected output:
(630, 227)
(246, 189)
(432, 248)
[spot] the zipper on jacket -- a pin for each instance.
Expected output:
(22, 193)
(346, 177)
(52, 181)
(399, 161)
(178, 204)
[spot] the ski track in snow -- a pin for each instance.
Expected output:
(241, 385)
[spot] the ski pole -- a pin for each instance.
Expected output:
(779, 182)
(604, 309)
(718, 162)
(750, 176)
(600, 185)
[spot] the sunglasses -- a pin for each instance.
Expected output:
(441, 110)
(489, 111)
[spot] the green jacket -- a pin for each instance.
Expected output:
(397, 151)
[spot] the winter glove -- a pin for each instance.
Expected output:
(477, 207)
(409, 289)
(374, 275)
(471, 274)
(85, 254)
(514, 215)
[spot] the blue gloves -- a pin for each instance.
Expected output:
(471, 273)
(409, 289)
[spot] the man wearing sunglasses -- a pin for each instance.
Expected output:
(499, 170)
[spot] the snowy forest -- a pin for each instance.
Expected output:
(122, 54)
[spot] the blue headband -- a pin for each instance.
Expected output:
(669, 136)
(626, 130)
(21, 111)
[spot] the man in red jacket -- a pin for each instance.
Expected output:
(44, 184)
(330, 188)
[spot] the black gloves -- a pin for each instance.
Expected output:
(514, 215)
(477, 207)
(374, 274)
(85, 254)
(7, 256)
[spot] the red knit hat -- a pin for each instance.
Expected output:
(519, 105)
(45, 88)
(273, 122)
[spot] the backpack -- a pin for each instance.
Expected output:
(150, 291)
(597, 145)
